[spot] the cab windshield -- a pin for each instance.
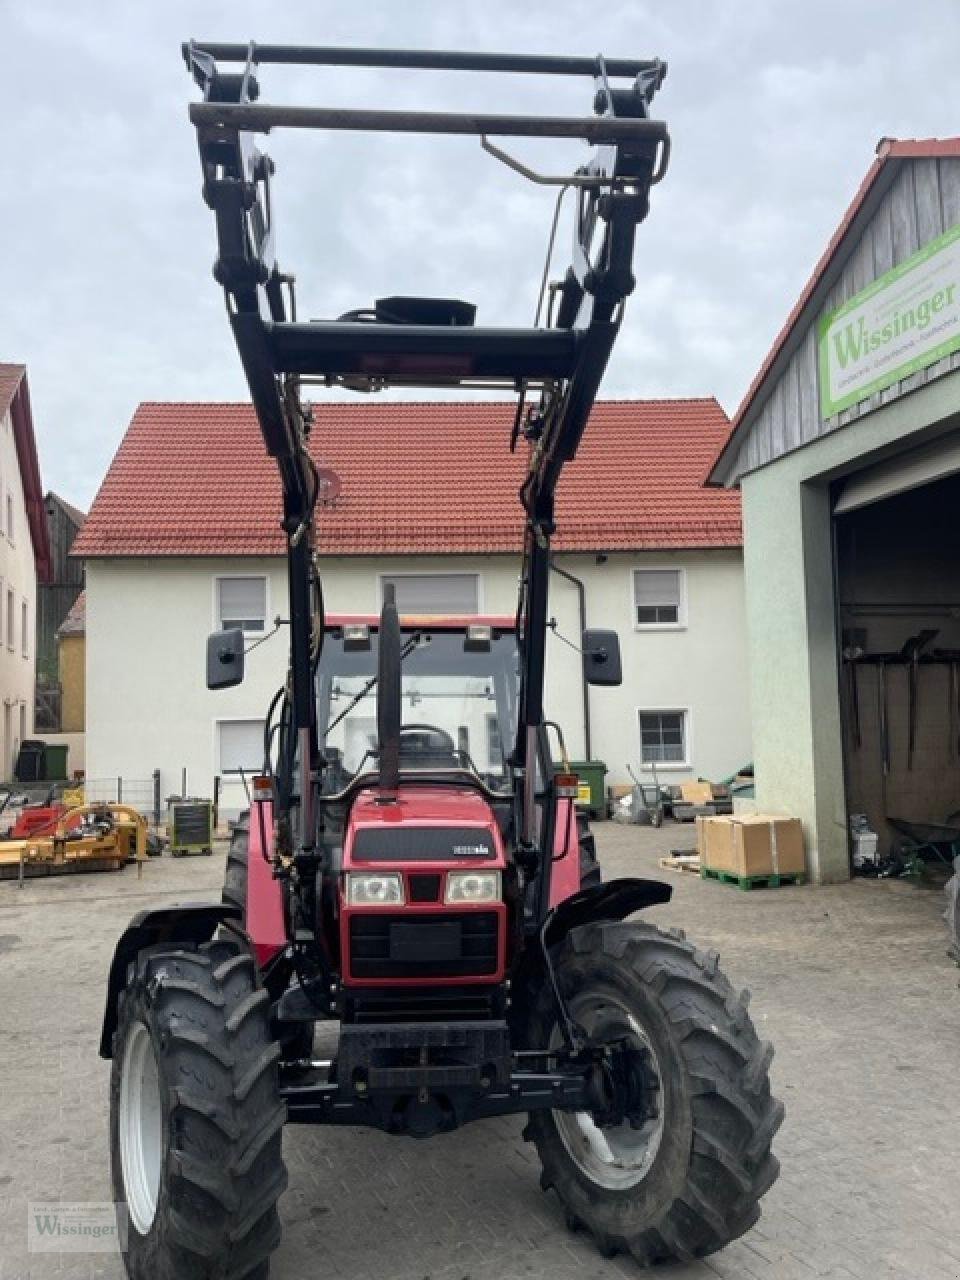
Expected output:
(459, 702)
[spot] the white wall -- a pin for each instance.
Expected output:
(17, 573)
(699, 667)
(147, 622)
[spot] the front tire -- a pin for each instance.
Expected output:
(590, 875)
(195, 1117)
(686, 1179)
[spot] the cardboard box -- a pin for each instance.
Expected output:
(755, 844)
(696, 792)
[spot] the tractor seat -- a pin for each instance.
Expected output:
(424, 746)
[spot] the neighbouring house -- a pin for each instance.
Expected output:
(59, 706)
(55, 598)
(72, 675)
(846, 450)
(24, 561)
(428, 502)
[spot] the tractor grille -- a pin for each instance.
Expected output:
(449, 945)
(424, 888)
(421, 844)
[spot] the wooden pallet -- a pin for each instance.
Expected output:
(682, 862)
(750, 882)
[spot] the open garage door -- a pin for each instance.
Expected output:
(934, 461)
(897, 538)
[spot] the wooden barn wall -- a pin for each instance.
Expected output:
(922, 203)
(55, 599)
(62, 531)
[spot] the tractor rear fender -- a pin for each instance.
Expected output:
(190, 922)
(613, 900)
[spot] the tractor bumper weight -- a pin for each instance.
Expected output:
(420, 1079)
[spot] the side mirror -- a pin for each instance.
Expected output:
(225, 659)
(601, 658)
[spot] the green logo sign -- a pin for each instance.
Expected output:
(907, 319)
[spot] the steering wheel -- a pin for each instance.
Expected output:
(436, 741)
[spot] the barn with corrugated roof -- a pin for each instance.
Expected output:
(846, 451)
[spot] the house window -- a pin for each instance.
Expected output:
(658, 597)
(455, 593)
(240, 744)
(11, 605)
(663, 737)
(10, 516)
(242, 602)
(25, 629)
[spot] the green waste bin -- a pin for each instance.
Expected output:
(55, 758)
(591, 793)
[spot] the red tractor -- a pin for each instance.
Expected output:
(412, 871)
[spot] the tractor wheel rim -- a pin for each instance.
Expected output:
(615, 1157)
(141, 1128)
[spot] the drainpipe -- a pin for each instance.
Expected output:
(582, 601)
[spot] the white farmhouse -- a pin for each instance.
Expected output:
(184, 538)
(24, 556)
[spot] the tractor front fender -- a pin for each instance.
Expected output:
(613, 900)
(191, 922)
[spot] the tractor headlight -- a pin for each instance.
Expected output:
(472, 886)
(374, 890)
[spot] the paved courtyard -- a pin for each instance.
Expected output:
(851, 983)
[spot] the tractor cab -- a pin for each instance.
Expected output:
(459, 683)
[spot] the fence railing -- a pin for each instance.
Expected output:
(142, 793)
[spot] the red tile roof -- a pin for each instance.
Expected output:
(888, 149)
(15, 397)
(75, 623)
(193, 479)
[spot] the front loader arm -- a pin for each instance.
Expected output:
(432, 343)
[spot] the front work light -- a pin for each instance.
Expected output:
(356, 635)
(371, 890)
(478, 639)
(472, 886)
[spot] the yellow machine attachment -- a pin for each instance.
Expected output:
(87, 837)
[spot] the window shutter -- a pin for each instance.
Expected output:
(454, 593)
(243, 602)
(241, 745)
(657, 586)
(656, 596)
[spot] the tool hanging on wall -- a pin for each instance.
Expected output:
(952, 659)
(911, 651)
(882, 717)
(854, 644)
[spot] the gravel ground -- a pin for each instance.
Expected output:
(851, 983)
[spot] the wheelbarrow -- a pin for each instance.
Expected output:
(647, 799)
(940, 841)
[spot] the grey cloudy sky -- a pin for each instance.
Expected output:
(774, 108)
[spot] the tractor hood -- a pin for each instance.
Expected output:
(454, 825)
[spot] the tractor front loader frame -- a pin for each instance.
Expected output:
(561, 363)
(450, 919)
